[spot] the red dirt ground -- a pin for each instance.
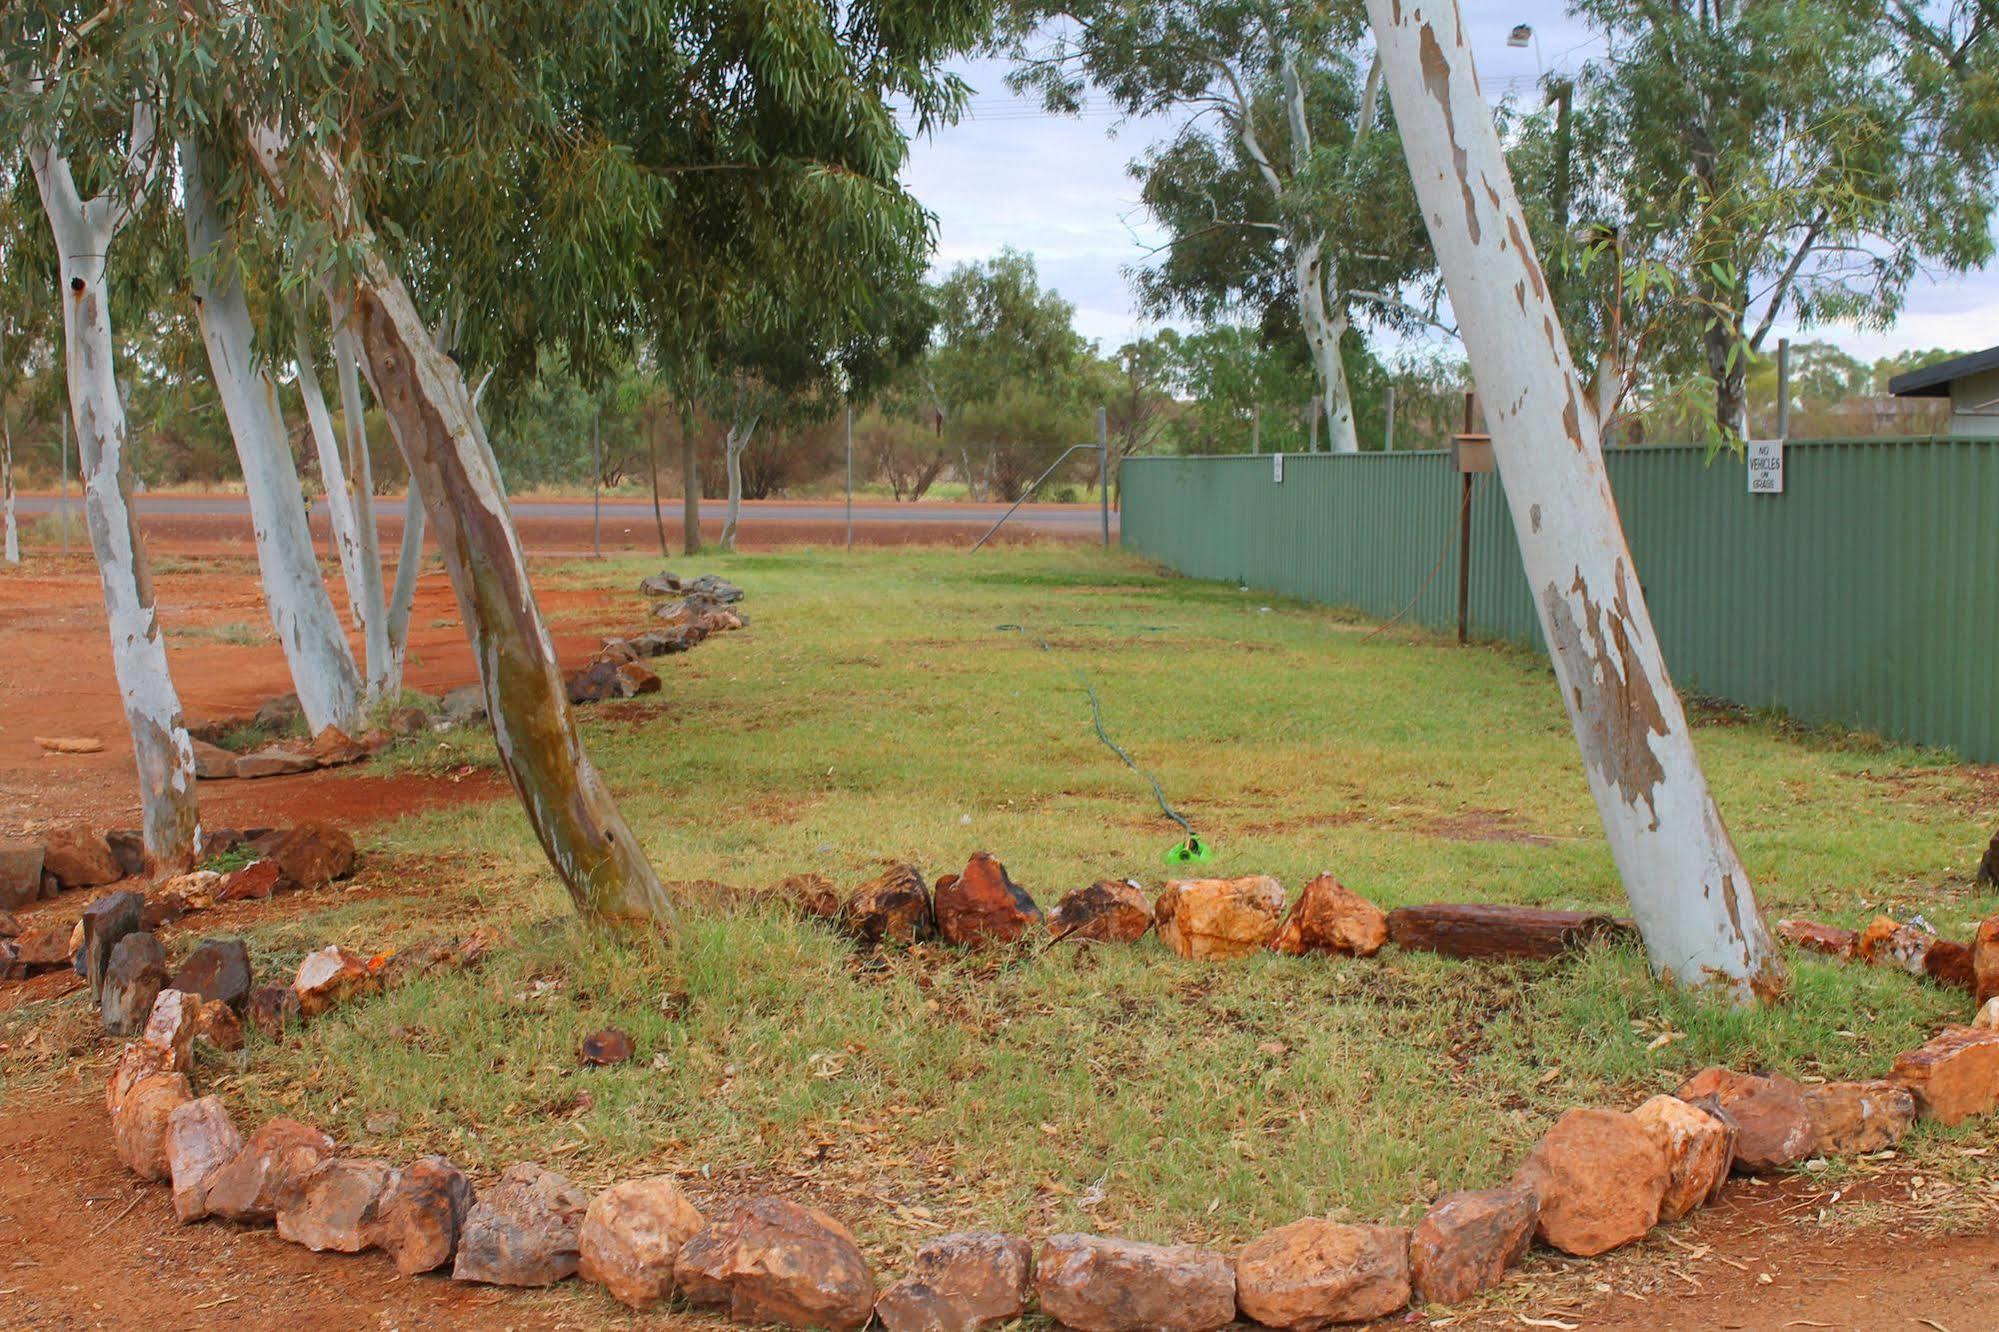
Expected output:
(83, 1245)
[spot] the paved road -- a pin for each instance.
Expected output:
(1070, 520)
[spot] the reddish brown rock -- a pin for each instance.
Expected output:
(1950, 964)
(1886, 943)
(273, 1009)
(1853, 1118)
(216, 1023)
(596, 681)
(161, 911)
(631, 1235)
(1773, 1131)
(605, 1047)
(330, 977)
(1827, 940)
(983, 905)
(217, 969)
(1219, 918)
(1312, 1274)
(333, 747)
(131, 983)
(76, 857)
(522, 1231)
(276, 1156)
(894, 908)
(254, 882)
(772, 1261)
(1328, 917)
(334, 1207)
(960, 1283)
(1467, 1241)
(139, 1124)
(128, 848)
(1988, 1015)
(810, 895)
(273, 761)
(201, 1139)
(39, 950)
(1985, 961)
(136, 1061)
(311, 855)
(1108, 911)
(212, 762)
(1095, 1284)
(1699, 1147)
(1600, 1178)
(1954, 1076)
(20, 874)
(636, 678)
(1500, 930)
(170, 1026)
(420, 1216)
(104, 922)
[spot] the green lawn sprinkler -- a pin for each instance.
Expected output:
(1193, 851)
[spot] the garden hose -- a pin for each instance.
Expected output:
(1192, 851)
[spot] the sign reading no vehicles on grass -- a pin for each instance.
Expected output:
(1766, 466)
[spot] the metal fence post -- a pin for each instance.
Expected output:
(1104, 475)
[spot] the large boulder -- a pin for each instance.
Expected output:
(419, 1218)
(892, 908)
(201, 1139)
(1219, 918)
(140, 1122)
(105, 921)
(1328, 917)
(20, 874)
(1094, 1284)
(630, 1237)
(76, 857)
(522, 1231)
(1108, 911)
(1773, 1130)
(960, 1283)
(1953, 1076)
(131, 983)
(1600, 1177)
(983, 905)
(217, 970)
(334, 1207)
(1699, 1147)
(310, 855)
(1312, 1273)
(1854, 1118)
(273, 1159)
(1467, 1241)
(772, 1261)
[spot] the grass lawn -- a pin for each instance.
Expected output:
(878, 708)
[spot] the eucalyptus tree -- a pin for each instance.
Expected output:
(82, 91)
(1277, 190)
(1777, 160)
(583, 176)
(1688, 889)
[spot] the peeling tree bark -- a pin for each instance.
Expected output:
(83, 234)
(1689, 893)
(384, 672)
(302, 615)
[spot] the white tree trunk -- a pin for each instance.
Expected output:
(160, 744)
(741, 430)
(384, 660)
(302, 615)
(409, 563)
(1688, 890)
(7, 486)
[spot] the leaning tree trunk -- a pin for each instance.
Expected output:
(13, 552)
(409, 563)
(384, 671)
(165, 755)
(1688, 890)
(1728, 367)
(302, 615)
(432, 415)
(738, 439)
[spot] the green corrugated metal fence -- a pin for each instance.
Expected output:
(1865, 595)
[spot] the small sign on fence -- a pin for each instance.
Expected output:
(1277, 469)
(1766, 466)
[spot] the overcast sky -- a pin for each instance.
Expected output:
(1056, 186)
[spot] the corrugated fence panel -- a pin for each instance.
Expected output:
(1866, 595)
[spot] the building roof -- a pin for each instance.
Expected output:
(1934, 381)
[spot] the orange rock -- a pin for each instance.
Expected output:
(960, 1283)
(333, 747)
(279, 1153)
(1466, 1241)
(631, 1235)
(1852, 1118)
(1950, 964)
(310, 855)
(139, 1126)
(811, 895)
(1954, 1076)
(254, 882)
(983, 905)
(1829, 940)
(1219, 919)
(1330, 918)
(329, 977)
(334, 1207)
(420, 1217)
(1314, 1273)
(894, 908)
(522, 1231)
(1773, 1131)
(137, 1060)
(772, 1261)
(77, 857)
(1889, 944)
(1988, 1015)
(1095, 1284)
(1108, 911)
(171, 1024)
(1699, 1150)
(1600, 1176)
(1985, 961)
(201, 1139)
